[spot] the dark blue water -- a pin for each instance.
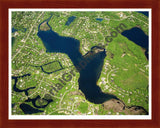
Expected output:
(13, 40)
(54, 70)
(90, 74)
(139, 37)
(146, 13)
(22, 30)
(99, 19)
(13, 105)
(15, 84)
(27, 109)
(70, 20)
(14, 30)
(89, 66)
(33, 100)
(56, 43)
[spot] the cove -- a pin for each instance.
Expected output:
(92, 68)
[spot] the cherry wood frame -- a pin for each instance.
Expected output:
(6, 4)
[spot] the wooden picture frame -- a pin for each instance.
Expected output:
(4, 29)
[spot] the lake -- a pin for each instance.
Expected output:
(138, 37)
(70, 20)
(89, 66)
